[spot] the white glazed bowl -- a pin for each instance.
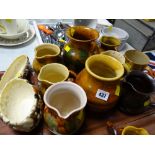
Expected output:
(23, 26)
(118, 33)
(20, 105)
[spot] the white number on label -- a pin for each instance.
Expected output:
(103, 95)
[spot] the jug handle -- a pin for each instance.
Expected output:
(94, 48)
(116, 48)
(72, 76)
(150, 71)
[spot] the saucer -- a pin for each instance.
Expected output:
(23, 39)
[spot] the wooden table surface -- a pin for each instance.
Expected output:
(96, 124)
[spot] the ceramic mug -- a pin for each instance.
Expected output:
(110, 43)
(53, 73)
(8, 26)
(44, 54)
(137, 60)
(64, 107)
(132, 130)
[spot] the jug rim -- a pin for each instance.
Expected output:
(100, 77)
(84, 97)
(136, 71)
(68, 33)
(136, 51)
(52, 64)
(48, 55)
(110, 37)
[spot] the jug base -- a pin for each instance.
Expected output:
(131, 111)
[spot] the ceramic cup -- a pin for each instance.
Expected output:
(53, 73)
(44, 54)
(64, 105)
(137, 60)
(8, 26)
(132, 130)
(110, 43)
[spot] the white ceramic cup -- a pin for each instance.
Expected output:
(8, 26)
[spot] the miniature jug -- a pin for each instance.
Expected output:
(132, 130)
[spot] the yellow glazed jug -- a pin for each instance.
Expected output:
(53, 73)
(44, 54)
(101, 81)
(132, 130)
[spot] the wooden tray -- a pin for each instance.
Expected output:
(95, 124)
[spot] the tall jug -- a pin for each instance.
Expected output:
(82, 44)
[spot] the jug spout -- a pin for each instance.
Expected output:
(65, 104)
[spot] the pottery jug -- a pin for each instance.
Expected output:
(44, 54)
(132, 130)
(135, 92)
(101, 81)
(109, 43)
(53, 73)
(82, 44)
(64, 107)
(137, 60)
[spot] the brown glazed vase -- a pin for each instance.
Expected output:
(101, 80)
(82, 44)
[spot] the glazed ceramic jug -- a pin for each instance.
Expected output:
(137, 60)
(82, 44)
(109, 43)
(44, 54)
(132, 130)
(53, 73)
(101, 81)
(64, 107)
(135, 93)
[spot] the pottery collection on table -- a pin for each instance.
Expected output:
(87, 72)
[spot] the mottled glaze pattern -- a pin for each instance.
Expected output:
(77, 50)
(58, 125)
